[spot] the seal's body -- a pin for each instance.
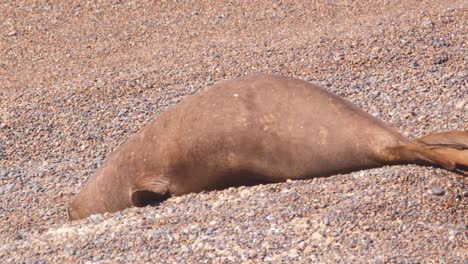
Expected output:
(257, 129)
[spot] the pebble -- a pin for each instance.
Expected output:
(428, 23)
(437, 191)
(12, 33)
(461, 104)
(440, 60)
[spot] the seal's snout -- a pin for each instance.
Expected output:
(72, 215)
(73, 212)
(69, 214)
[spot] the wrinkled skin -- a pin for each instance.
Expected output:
(257, 129)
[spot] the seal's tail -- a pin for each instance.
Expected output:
(452, 146)
(446, 149)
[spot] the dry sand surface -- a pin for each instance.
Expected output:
(78, 78)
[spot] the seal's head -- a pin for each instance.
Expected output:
(109, 190)
(105, 191)
(86, 203)
(82, 207)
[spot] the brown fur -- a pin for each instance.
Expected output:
(257, 129)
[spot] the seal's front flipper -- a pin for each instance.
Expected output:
(150, 192)
(451, 145)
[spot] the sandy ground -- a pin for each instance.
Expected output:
(77, 79)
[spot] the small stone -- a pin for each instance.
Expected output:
(133, 83)
(293, 253)
(41, 174)
(461, 104)
(437, 191)
(440, 60)
(421, 89)
(452, 235)
(458, 197)
(329, 241)
(428, 22)
(408, 115)
(373, 79)
(462, 74)
(12, 33)
(414, 64)
(184, 249)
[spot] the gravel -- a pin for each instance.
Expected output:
(438, 191)
(77, 79)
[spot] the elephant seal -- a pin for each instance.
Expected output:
(251, 130)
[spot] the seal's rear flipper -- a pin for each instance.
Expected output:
(451, 145)
(416, 153)
(150, 192)
(446, 149)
